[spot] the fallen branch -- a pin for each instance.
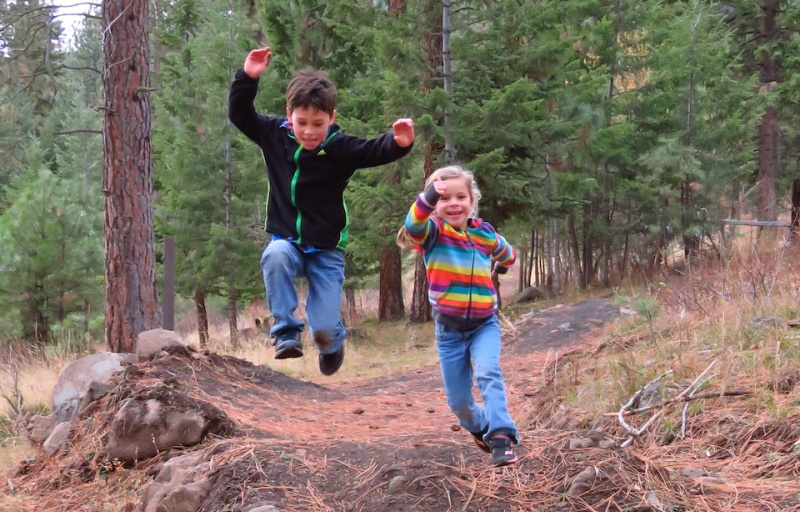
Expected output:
(682, 399)
(621, 414)
(686, 395)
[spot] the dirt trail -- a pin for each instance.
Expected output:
(354, 437)
(390, 444)
(407, 405)
(386, 444)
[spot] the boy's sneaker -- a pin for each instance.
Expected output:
(502, 450)
(330, 363)
(288, 345)
(478, 437)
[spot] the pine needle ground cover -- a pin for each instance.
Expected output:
(682, 396)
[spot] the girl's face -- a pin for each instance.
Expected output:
(455, 203)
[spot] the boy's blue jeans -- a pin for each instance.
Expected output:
(464, 354)
(281, 263)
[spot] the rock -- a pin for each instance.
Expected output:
(693, 472)
(76, 378)
(529, 294)
(583, 482)
(38, 428)
(651, 394)
(161, 419)
(652, 499)
(181, 486)
(593, 439)
(393, 467)
(149, 343)
(395, 484)
(262, 507)
(57, 439)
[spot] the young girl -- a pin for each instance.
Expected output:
(458, 250)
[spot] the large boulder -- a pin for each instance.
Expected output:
(159, 419)
(529, 294)
(75, 379)
(153, 341)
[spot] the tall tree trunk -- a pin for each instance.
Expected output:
(608, 218)
(131, 304)
(432, 43)
(447, 75)
(390, 303)
(586, 257)
(691, 242)
(768, 128)
(420, 307)
(350, 305)
(575, 254)
(202, 315)
(233, 315)
(35, 325)
(795, 229)
(233, 310)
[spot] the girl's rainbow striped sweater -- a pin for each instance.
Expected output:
(458, 263)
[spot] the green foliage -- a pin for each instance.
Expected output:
(633, 120)
(52, 252)
(209, 197)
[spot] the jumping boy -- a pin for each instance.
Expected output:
(309, 161)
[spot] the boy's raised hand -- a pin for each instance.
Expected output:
(257, 62)
(403, 132)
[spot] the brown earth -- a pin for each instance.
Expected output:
(388, 444)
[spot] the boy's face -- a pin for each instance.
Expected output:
(310, 125)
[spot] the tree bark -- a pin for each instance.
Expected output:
(233, 314)
(768, 128)
(202, 316)
(432, 43)
(390, 303)
(575, 257)
(420, 308)
(587, 273)
(131, 304)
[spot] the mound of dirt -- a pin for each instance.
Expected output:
(386, 444)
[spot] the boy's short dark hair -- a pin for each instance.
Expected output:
(312, 88)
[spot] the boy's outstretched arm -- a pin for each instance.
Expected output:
(403, 132)
(257, 61)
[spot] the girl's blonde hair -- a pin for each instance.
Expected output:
(450, 172)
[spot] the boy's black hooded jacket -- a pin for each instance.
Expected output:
(305, 201)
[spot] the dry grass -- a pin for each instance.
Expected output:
(717, 328)
(728, 328)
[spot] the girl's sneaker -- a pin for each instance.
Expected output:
(502, 450)
(478, 437)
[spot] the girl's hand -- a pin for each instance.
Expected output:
(440, 186)
(257, 62)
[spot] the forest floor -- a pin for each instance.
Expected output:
(390, 444)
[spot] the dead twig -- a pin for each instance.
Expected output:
(684, 399)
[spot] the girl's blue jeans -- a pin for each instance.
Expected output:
(475, 353)
(281, 263)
